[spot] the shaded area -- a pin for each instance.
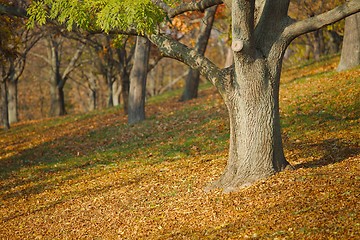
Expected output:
(335, 150)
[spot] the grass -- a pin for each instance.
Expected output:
(94, 177)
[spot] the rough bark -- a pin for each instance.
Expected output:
(252, 101)
(350, 53)
(193, 77)
(136, 110)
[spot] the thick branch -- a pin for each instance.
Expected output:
(242, 24)
(179, 51)
(321, 20)
(186, 7)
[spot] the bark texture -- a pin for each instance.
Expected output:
(350, 53)
(136, 110)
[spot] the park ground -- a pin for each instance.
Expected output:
(92, 176)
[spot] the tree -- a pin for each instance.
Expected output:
(193, 76)
(322, 41)
(8, 55)
(261, 32)
(58, 79)
(350, 53)
(136, 108)
(4, 99)
(27, 39)
(58, 75)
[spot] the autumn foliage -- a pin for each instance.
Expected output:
(92, 176)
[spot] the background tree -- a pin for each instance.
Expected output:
(350, 53)
(193, 76)
(27, 39)
(315, 44)
(58, 74)
(137, 94)
(9, 43)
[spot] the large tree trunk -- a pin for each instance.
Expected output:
(193, 77)
(350, 53)
(256, 150)
(137, 94)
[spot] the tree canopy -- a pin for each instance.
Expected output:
(140, 15)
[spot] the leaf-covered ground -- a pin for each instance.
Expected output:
(93, 177)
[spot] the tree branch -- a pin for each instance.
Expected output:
(174, 49)
(40, 56)
(186, 7)
(301, 27)
(72, 64)
(242, 24)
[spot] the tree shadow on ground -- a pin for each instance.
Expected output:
(335, 150)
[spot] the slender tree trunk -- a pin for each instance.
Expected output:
(92, 91)
(116, 93)
(191, 85)
(193, 77)
(350, 53)
(4, 104)
(57, 98)
(57, 101)
(13, 101)
(318, 44)
(334, 42)
(12, 94)
(138, 74)
(110, 102)
(125, 91)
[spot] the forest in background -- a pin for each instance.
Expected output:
(95, 68)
